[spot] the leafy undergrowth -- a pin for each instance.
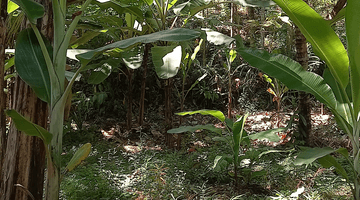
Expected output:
(142, 168)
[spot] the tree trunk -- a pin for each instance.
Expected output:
(229, 94)
(304, 102)
(251, 16)
(130, 99)
(3, 17)
(339, 5)
(24, 162)
(168, 114)
(143, 84)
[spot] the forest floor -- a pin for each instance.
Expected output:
(136, 164)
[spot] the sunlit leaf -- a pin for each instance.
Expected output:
(166, 60)
(171, 35)
(79, 156)
(11, 7)
(352, 22)
(217, 38)
(214, 113)
(269, 135)
(134, 57)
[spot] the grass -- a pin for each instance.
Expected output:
(111, 173)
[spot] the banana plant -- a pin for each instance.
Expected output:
(277, 89)
(41, 64)
(238, 140)
(338, 88)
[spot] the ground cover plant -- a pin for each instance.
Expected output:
(119, 168)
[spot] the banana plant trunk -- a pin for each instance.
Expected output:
(52, 181)
(24, 163)
(143, 84)
(130, 100)
(168, 113)
(54, 158)
(229, 95)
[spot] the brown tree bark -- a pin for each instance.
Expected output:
(24, 162)
(338, 6)
(304, 103)
(3, 18)
(251, 16)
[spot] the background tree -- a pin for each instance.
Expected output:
(3, 31)
(24, 162)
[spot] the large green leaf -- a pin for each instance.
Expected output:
(167, 60)
(214, 113)
(268, 135)
(311, 154)
(329, 161)
(79, 156)
(30, 63)
(171, 35)
(183, 129)
(319, 33)
(100, 74)
(342, 106)
(28, 127)
(217, 38)
(134, 57)
(352, 20)
(32, 9)
(237, 132)
(291, 74)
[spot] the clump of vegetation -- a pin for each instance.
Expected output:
(127, 87)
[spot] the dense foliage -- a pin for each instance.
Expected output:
(135, 69)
